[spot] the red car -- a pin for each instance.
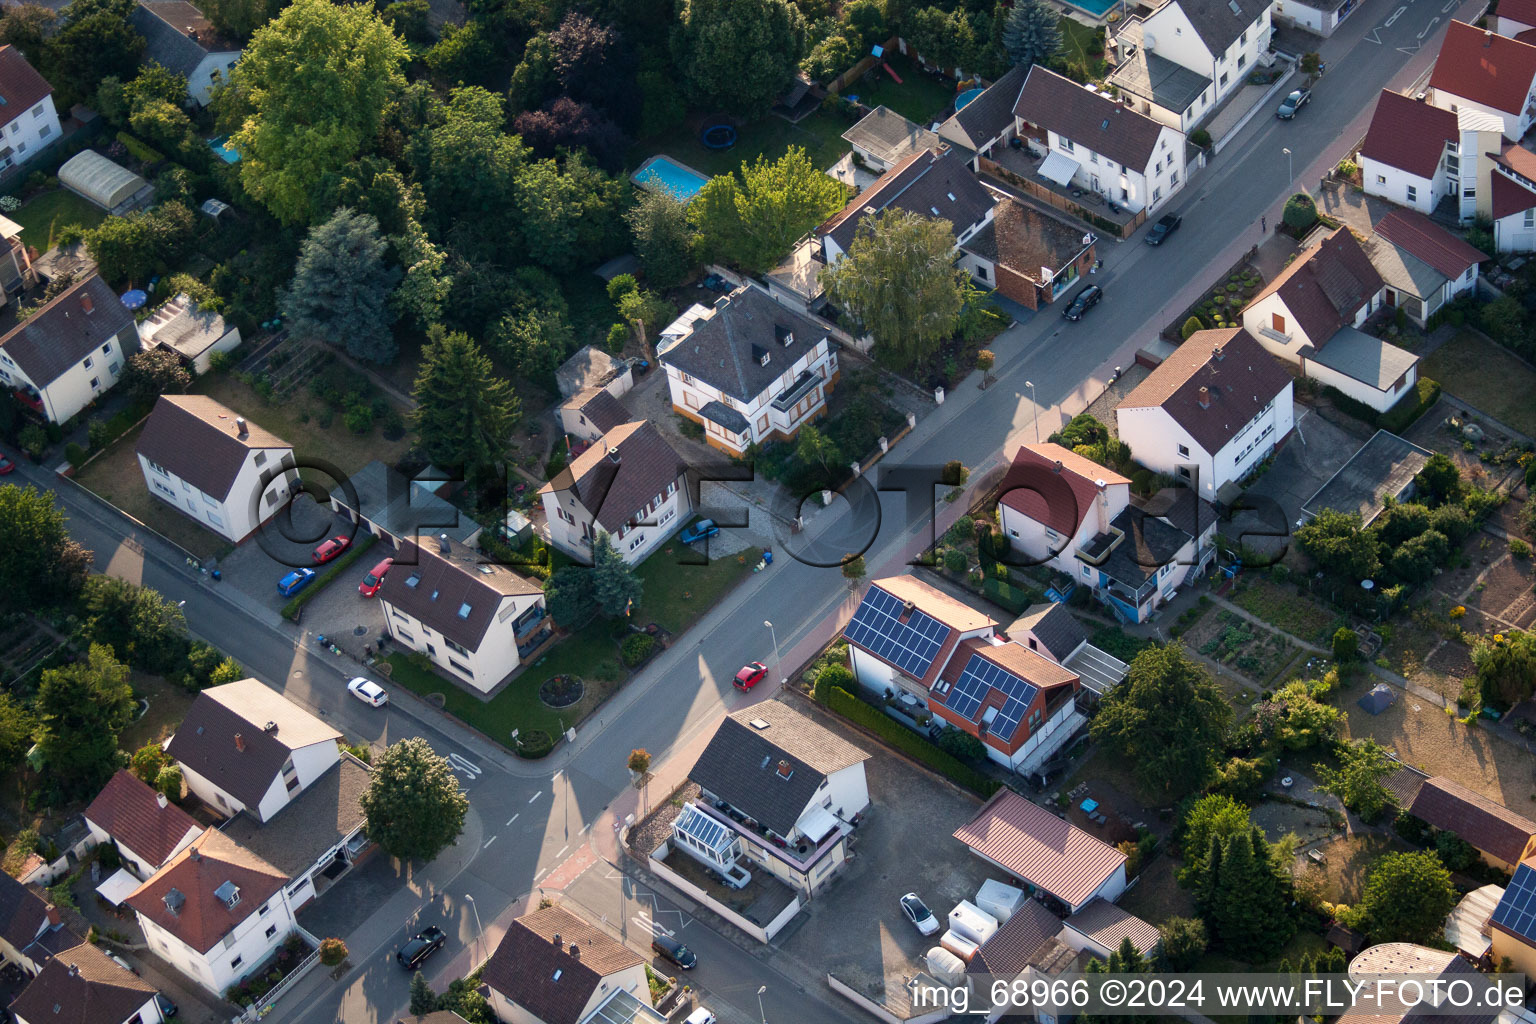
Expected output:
(6, 466)
(375, 578)
(331, 548)
(750, 675)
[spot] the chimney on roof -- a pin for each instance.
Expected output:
(613, 455)
(557, 939)
(784, 770)
(239, 742)
(1218, 353)
(1487, 38)
(160, 799)
(270, 727)
(241, 427)
(442, 543)
(1056, 468)
(1205, 397)
(74, 970)
(195, 853)
(575, 951)
(86, 303)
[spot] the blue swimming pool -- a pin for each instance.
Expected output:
(965, 98)
(224, 150)
(666, 174)
(1097, 8)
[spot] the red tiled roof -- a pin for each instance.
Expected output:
(1510, 197)
(1523, 11)
(1518, 159)
(1236, 387)
(1408, 134)
(133, 814)
(196, 914)
(1489, 69)
(1425, 240)
(1326, 285)
(1108, 925)
(1490, 827)
(1061, 499)
(1528, 37)
(1033, 844)
(20, 85)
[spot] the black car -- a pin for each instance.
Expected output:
(414, 953)
(1292, 103)
(1083, 302)
(1163, 228)
(669, 948)
(167, 1008)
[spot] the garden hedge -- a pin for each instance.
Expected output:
(1401, 416)
(909, 742)
(291, 609)
(1007, 596)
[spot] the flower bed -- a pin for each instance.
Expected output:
(561, 691)
(265, 978)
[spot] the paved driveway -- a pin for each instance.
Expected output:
(283, 544)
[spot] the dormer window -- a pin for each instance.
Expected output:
(228, 894)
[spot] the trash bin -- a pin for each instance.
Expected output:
(767, 557)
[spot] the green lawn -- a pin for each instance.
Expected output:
(678, 591)
(41, 216)
(820, 135)
(919, 98)
(1078, 42)
(1488, 377)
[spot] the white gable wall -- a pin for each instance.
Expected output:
(309, 764)
(241, 951)
(1403, 187)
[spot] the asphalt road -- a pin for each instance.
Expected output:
(524, 820)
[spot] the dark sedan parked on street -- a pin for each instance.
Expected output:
(1165, 226)
(1083, 302)
(414, 953)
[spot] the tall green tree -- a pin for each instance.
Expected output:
(425, 282)
(239, 18)
(1184, 942)
(464, 412)
(42, 566)
(1245, 901)
(1126, 959)
(414, 806)
(900, 283)
(1211, 817)
(1407, 897)
(663, 238)
(142, 626)
(16, 728)
(27, 27)
(140, 244)
(155, 372)
(738, 55)
(1168, 718)
(1340, 546)
(1031, 34)
(423, 999)
(614, 582)
(80, 710)
(754, 218)
(316, 81)
(341, 287)
(570, 596)
(471, 168)
(96, 41)
(1363, 767)
(568, 211)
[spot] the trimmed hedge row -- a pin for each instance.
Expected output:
(1006, 595)
(1401, 416)
(909, 742)
(291, 609)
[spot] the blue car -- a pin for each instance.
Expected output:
(295, 582)
(698, 531)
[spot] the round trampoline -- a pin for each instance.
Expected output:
(966, 97)
(718, 136)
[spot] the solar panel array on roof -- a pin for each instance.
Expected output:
(706, 831)
(1517, 910)
(911, 646)
(980, 678)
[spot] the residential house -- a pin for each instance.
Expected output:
(1411, 153)
(927, 184)
(216, 912)
(1215, 408)
(1442, 970)
(631, 486)
(1382, 471)
(750, 372)
(979, 127)
(243, 746)
(590, 413)
(82, 985)
(147, 829)
(16, 271)
(1512, 928)
(1424, 265)
(1099, 928)
(70, 351)
(29, 123)
(1487, 72)
(552, 967)
(1050, 629)
(1026, 948)
(474, 619)
(180, 39)
(1053, 501)
(1319, 17)
(1184, 57)
(1501, 836)
(788, 789)
(1097, 143)
(317, 837)
(593, 367)
(926, 626)
(1511, 195)
(1152, 547)
(1050, 854)
(1028, 255)
(214, 466)
(31, 929)
(194, 334)
(397, 510)
(1515, 18)
(1311, 313)
(883, 138)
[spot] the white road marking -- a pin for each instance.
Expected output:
(1393, 17)
(562, 850)
(488, 842)
(541, 874)
(584, 828)
(536, 796)
(512, 819)
(463, 764)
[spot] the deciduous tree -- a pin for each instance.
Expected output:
(464, 413)
(1168, 718)
(663, 238)
(1407, 897)
(341, 287)
(138, 245)
(142, 626)
(16, 728)
(471, 167)
(900, 283)
(1362, 767)
(593, 63)
(754, 219)
(155, 372)
(42, 566)
(569, 213)
(738, 55)
(1340, 547)
(96, 41)
(1031, 34)
(80, 710)
(148, 761)
(565, 123)
(1184, 942)
(414, 806)
(1211, 817)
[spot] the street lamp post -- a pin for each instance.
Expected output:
(479, 929)
(777, 657)
(1290, 171)
(1035, 401)
(760, 990)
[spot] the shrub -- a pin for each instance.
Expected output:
(359, 419)
(618, 335)
(1191, 325)
(636, 648)
(909, 742)
(1201, 138)
(835, 675)
(963, 530)
(1348, 168)
(961, 744)
(332, 952)
(954, 473)
(219, 362)
(621, 286)
(1346, 645)
(534, 744)
(77, 455)
(1517, 547)
(954, 560)
(1300, 213)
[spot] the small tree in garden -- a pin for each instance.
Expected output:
(1300, 212)
(985, 360)
(1312, 64)
(1346, 645)
(854, 570)
(614, 583)
(1191, 325)
(1358, 779)
(639, 762)
(332, 952)
(148, 761)
(423, 999)
(168, 782)
(156, 372)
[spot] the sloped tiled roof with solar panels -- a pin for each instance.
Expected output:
(979, 678)
(1516, 912)
(706, 831)
(910, 645)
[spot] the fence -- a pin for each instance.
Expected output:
(1060, 202)
(879, 1010)
(859, 70)
(268, 1002)
(762, 933)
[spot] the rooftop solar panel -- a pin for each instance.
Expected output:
(1517, 910)
(911, 646)
(978, 680)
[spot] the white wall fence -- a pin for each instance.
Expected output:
(762, 933)
(879, 1010)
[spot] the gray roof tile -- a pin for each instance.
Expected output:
(1088, 119)
(725, 349)
(77, 322)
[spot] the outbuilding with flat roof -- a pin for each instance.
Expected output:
(1384, 467)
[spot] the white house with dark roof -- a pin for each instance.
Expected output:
(590, 413)
(29, 124)
(214, 466)
(215, 912)
(245, 747)
(1511, 198)
(474, 619)
(1028, 255)
(1097, 143)
(1424, 265)
(194, 334)
(1215, 409)
(750, 372)
(1515, 17)
(1051, 630)
(1033, 845)
(787, 787)
(178, 37)
(927, 184)
(883, 138)
(631, 485)
(147, 829)
(69, 352)
(31, 928)
(1216, 44)
(553, 967)
(82, 985)
(986, 122)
